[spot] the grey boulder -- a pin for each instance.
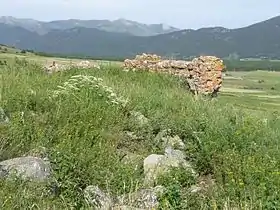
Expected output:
(96, 198)
(29, 167)
(157, 165)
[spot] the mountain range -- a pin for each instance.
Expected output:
(120, 26)
(124, 38)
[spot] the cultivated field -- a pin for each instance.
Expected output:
(46, 61)
(254, 90)
(88, 130)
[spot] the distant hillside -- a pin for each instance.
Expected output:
(120, 26)
(257, 40)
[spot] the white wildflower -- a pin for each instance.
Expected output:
(76, 76)
(61, 87)
(73, 80)
(113, 94)
(32, 92)
(93, 83)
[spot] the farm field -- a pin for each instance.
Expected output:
(11, 53)
(99, 128)
(255, 90)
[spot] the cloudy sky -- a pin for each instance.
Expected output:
(180, 13)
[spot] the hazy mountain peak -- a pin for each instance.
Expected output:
(166, 27)
(125, 22)
(13, 20)
(120, 25)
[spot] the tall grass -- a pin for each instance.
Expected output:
(83, 134)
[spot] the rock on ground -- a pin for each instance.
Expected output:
(96, 198)
(167, 140)
(140, 118)
(3, 117)
(157, 165)
(32, 168)
(144, 199)
(54, 67)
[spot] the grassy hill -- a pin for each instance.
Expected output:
(228, 140)
(9, 50)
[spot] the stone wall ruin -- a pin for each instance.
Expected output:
(203, 74)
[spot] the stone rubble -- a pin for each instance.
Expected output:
(154, 166)
(54, 67)
(141, 199)
(97, 198)
(165, 138)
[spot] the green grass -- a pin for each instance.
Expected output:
(83, 135)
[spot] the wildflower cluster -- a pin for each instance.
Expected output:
(75, 83)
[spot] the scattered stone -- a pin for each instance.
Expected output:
(152, 168)
(156, 165)
(54, 67)
(170, 141)
(132, 135)
(178, 154)
(86, 65)
(98, 199)
(140, 118)
(3, 117)
(143, 198)
(176, 142)
(32, 168)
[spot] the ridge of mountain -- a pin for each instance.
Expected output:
(120, 25)
(257, 40)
